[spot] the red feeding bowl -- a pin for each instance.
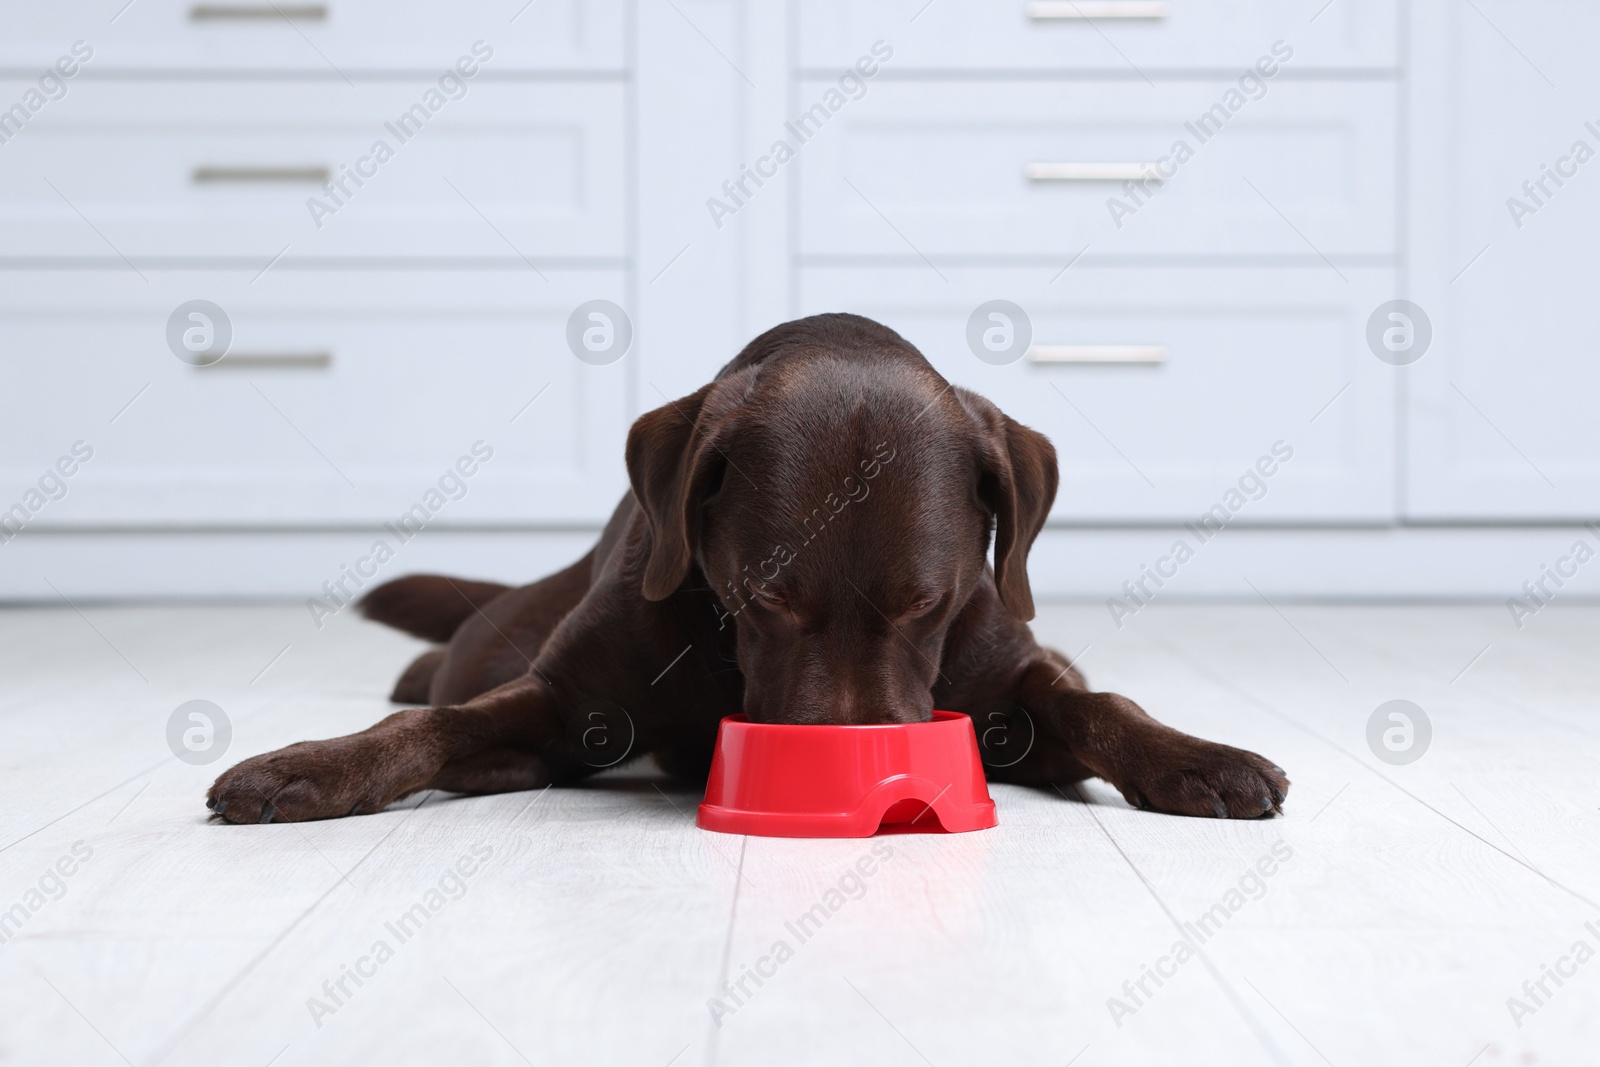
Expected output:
(846, 781)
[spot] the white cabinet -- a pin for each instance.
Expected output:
(1498, 413)
(1250, 358)
(1120, 38)
(1216, 183)
(1338, 157)
(397, 209)
(1019, 168)
(239, 170)
(331, 39)
(343, 399)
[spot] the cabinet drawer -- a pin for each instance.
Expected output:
(344, 397)
(236, 170)
(320, 38)
(1249, 358)
(1125, 38)
(1020, 168)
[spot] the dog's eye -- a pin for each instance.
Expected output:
(768, 597)
(922, 605)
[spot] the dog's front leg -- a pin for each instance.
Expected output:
(1154, 766)
(501, 741)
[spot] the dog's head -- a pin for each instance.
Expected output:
(839, 497)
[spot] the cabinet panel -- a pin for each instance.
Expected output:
(322, 38)
(1500, 409)
(1120, 36)
(238, 169)
(344, 397)
(1024, 168)
(1248, 358)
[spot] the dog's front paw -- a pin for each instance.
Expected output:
(309, 780)
(1187, 776)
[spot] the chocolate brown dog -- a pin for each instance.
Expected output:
(806, 542)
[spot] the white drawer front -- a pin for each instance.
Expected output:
(344, 397)
(1038, 169)
(235, 170)
(1248, 358)
(1125, 37)
(330, 38)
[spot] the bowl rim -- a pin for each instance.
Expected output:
(940, 716)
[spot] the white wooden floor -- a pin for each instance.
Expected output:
(597, 922)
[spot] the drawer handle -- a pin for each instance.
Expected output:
(1091, 172)
(1097, 9)
(1150, 355)
(257, 12)
(252, 175)
(271, 361)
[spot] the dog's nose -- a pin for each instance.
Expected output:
(848, 710)
(835, 707)
(854, 707)
(843, 708)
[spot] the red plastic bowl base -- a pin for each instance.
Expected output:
(910, 816)
(847, 781)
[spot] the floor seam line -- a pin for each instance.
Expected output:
(166, 1048)
(727, 949)
(1232, 994)
(1286, 718)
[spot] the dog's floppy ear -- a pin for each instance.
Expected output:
(1017, 483)
(672, 461)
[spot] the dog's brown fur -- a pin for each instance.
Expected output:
(805, 541)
